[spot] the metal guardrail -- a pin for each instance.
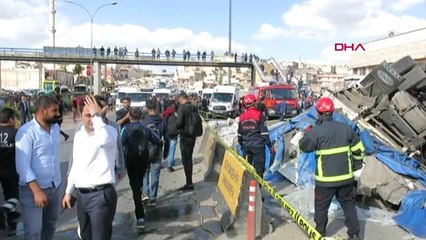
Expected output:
(86, 53)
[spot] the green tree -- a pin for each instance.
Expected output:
(78, 70)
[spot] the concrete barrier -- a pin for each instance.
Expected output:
(202, 141)
(232, 197)
(237, 218)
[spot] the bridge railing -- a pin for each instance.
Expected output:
(86, 53)
(21, 52)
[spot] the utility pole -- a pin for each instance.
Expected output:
(53, 12)
(230, 38)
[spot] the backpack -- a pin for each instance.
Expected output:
(154, 149)
(195, 124)
(137, 147)
(171, 126)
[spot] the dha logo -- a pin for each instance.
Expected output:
(344, 47)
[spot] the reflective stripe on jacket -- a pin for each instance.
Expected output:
(338, 149)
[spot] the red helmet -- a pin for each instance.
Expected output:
(249, 100)
(325, 104)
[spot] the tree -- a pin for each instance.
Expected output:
(78, 69)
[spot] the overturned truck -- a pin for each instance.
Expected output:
(391, 102)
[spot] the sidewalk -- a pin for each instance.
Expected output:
(177, 215)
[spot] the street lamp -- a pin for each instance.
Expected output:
(91, 16)
(230, 26)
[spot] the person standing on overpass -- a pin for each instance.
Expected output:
(339, 152)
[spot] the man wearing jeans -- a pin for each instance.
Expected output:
(152, 175)
(38, 166)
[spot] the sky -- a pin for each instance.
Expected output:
(284, 29)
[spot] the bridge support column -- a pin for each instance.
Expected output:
(97, 84)
(253, 76)
(0, 79)
(41, 76)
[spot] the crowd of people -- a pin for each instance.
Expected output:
(135, 143)
(102, 152)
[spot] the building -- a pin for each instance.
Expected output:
(389, 49)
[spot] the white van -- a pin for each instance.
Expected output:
(207, 93)
(137, 98)
(224, 101)
(162, 92)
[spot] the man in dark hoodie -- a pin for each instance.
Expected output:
(169, 116)
(136, 167)
(152, 176)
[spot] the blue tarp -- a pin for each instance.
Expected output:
(413, 208)
(396, 160)
(412, 213)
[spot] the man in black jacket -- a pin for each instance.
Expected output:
(8, 176)
(24, 110)
(187, 141)
(137, 165)
(339, 152)
(123, 115)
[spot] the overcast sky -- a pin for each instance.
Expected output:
(284, 29)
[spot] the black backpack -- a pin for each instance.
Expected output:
(137, 147)
(154, 150)
(171, 126)
(195, 125)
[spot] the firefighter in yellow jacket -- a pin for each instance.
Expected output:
(339, 152)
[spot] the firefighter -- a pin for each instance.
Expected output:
(253, 135)
(339, 152)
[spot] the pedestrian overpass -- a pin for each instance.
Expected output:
(78, 55)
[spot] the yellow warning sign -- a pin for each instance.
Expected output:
(230, 178)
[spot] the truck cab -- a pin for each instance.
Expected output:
(224, 101)
(274, 95)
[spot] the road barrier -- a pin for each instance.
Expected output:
(251, 222)
(214, 158)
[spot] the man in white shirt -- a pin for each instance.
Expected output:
(92, 174)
